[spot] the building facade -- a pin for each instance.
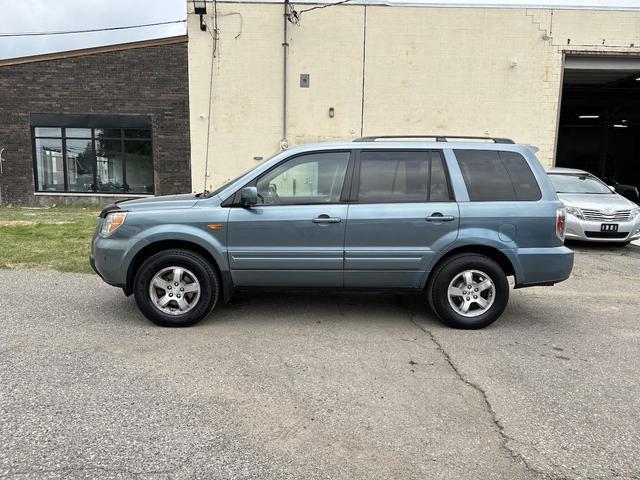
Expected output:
(257, 81)
(95, 125)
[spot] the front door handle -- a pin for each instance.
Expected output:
(438, 217)
(324, 219)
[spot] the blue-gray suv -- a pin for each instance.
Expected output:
(448, 216)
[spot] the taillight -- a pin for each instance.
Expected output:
(561, 223)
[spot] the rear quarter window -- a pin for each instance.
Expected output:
(495, 176)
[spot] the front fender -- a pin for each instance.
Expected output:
(179, 233)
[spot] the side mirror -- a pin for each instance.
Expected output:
(612, 188)
(249, 196)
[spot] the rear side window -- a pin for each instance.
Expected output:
(402, 176)
(493, 176)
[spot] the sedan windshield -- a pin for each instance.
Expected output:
(578, 183)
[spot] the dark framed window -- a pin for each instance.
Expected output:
(76, 159)
(497, 176)
(307, 179)
(400, 176)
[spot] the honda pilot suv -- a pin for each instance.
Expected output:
(449, 217)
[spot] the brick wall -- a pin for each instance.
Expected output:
(150, 80)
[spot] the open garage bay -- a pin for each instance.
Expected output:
(599, 129)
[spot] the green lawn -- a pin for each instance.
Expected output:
(55, 238)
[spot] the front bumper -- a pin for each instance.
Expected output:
(107, 260)
(584, 230)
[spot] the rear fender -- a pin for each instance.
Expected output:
(476, 244)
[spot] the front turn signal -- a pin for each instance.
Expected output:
(112, 222)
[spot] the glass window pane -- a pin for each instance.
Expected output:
(439, 189)
(109, 166)
(80, 161)
(139, 166)
(108, 133)
(48, 132)
(78, 132)
(393, 176)
(137, 133)
(578, 183)
(307, 179)
(50, 165)
(524, 182)
(485, 176)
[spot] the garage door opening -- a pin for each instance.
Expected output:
(599, 128)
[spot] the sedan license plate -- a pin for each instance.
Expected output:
(609, 227)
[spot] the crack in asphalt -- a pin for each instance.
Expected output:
(504, 437)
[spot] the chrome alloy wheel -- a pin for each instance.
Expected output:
(174, 290)
(471, 293)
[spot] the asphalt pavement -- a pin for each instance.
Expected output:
(317, 385)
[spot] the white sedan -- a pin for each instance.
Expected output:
(596, 213)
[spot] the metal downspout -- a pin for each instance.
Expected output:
(284, 143)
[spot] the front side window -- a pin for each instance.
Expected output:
(93, 160)
(493, 176)
(402, 176)
(307, 179)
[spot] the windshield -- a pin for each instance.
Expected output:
(578, 183)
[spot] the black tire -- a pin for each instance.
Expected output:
(192, 261)
(618, 244)
(447, 271)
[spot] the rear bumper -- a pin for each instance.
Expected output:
(541, 266)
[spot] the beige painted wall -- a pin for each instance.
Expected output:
(426, 70)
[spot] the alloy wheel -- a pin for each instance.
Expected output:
(471, 293)
(174, 290)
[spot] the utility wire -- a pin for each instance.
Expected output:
(67, 32)
(294, 16)
(318, 7)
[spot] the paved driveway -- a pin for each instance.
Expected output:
(310, 386)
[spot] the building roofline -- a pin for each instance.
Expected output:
(497, 4)
(94, 50)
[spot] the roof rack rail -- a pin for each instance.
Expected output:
(438, 138)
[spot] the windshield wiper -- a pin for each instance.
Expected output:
(585, 193)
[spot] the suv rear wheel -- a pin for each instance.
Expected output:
(468, 291)
(176, 288)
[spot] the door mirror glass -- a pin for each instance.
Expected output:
(249, 196)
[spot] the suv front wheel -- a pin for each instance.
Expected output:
(468, 291)
(176, 288)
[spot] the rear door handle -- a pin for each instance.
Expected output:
(326, 219)
(438, 217)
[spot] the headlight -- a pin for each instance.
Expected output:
(112, 222)
(575, 211)
(634, 213)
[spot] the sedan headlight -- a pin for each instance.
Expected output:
(575, 211)
(112, 222)
(634, 213)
